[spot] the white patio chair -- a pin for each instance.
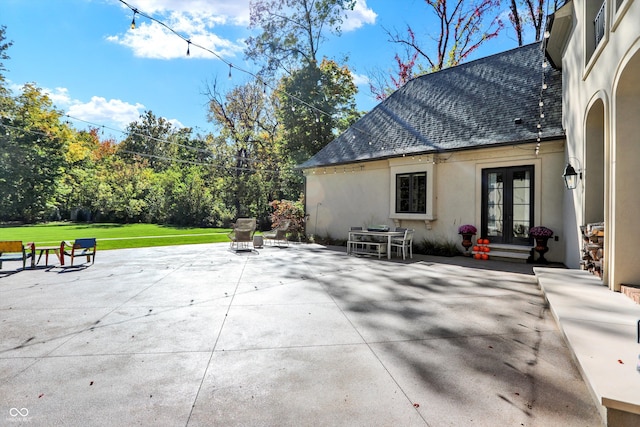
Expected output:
(405, 243)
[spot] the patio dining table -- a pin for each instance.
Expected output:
(381, 235)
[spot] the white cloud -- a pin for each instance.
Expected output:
(359, 16)
(235, 12)
(59, 96)
(151, 40)
(175, 122)
(360, 79)
(100, 111)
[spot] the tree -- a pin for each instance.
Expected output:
(292, 31)
(247, 150)
(523, 13)
(379, 85)
(315, 97)
(316, 104)
(4, 46)
(463, 26)
(79, 184)
(148, 138)
(32, 156)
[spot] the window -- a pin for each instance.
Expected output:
(411, 193)
(595, 31)
(598, 23)
(412, 188)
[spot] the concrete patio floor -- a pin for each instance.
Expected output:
(202, 336)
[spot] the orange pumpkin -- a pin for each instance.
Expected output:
(485, 257)
(476, 248)
(477, 256)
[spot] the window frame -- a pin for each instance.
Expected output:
(413, 194)
(413, 165)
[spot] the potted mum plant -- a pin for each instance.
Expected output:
(467, 231)
(541, 236)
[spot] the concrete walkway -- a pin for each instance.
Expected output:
(201, 336)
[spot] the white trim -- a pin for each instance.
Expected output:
(413, 165)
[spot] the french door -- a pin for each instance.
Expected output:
(507, 204)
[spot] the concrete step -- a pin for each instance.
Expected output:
(510, 248)
(513, 253)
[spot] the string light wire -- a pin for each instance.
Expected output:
(231, 66)
(154, 156)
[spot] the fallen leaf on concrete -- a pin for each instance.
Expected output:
(620, 362)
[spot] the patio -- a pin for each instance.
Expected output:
(200, 335)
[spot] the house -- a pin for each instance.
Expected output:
(596, 44)
(481, 143)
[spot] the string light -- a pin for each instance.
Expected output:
(544, 85)
(133, 21)
(289, 95)
(255, 76)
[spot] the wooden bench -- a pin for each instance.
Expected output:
(15, 250)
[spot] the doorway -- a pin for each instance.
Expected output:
(507, 204)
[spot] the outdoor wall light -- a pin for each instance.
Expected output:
(571, 176)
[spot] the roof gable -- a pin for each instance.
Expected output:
(472, 105)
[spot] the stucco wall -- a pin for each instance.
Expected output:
(592, 126)
(359, 195)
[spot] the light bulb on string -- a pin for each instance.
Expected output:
(230, 67)
(544, 86)
(188, 46)
(133, 21)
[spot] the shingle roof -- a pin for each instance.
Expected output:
(472, 105)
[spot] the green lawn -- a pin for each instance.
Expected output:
(114, 236)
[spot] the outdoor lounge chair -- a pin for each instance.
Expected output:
(278, 236)
(404, 244)
(79, 248)
(14, 250)
(242, 234)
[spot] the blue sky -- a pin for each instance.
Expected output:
(95, 68)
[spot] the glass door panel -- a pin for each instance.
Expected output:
(495, 204)
(507, 204)
(521, 183)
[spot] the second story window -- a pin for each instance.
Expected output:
(598, 23)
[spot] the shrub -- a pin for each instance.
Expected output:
(293, 212)
(438, 247)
